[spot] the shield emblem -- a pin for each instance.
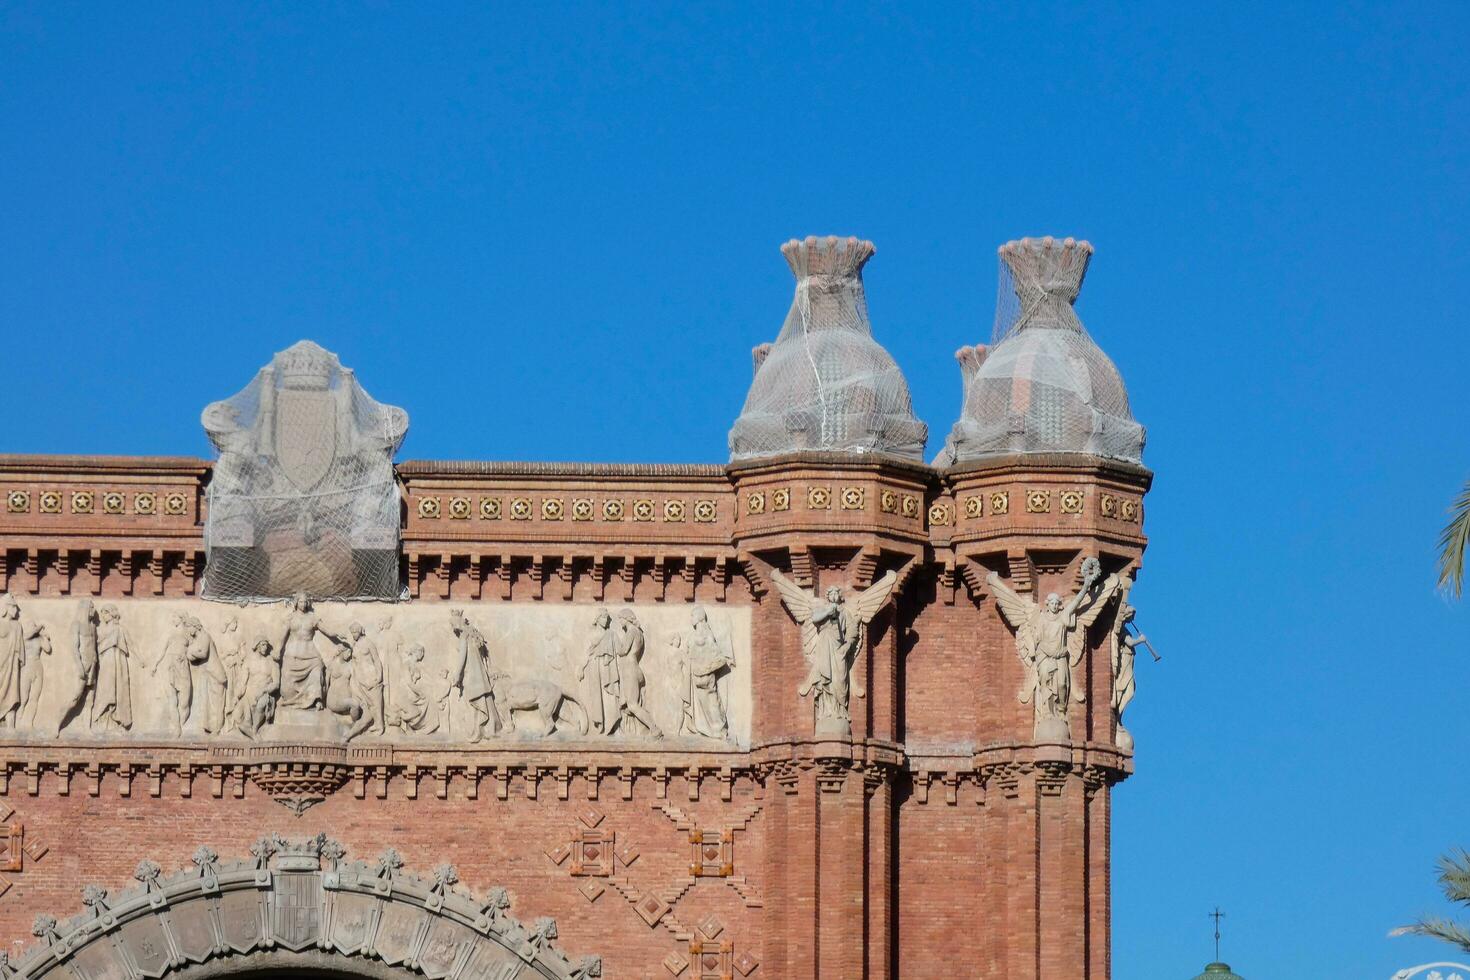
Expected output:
(306, 435)
(298, 902)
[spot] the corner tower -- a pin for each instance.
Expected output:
(1037, 536)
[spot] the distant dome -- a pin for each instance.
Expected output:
(826, 384)
(1219, 971)
(1043, 386)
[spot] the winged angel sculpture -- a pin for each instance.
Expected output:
(1051, 640)
(832, 632)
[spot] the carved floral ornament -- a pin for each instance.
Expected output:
(671, 510)
(296, 895)
(89, 501)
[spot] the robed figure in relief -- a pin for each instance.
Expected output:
(12, 656)
(833, 630)
(1051, 640)
(705, 659)
(112, 706)
(302, 669)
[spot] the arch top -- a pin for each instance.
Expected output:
(295, 897)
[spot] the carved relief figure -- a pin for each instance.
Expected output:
(341, 696)
(232, 653)
(112, 704)
(367, 683)
(260, 682)
(84, 656)
(391, 655)
(416, 710)
(1123, 649)
(543, 697)
(631, 643)
(302, 669)
(599, 672)
(33, 671)
(203, 653)
(472, 675)
(1051, 640)
(175, 657)
(832, 633)
(704, 660)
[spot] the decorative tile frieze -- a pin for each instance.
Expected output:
(643, 510)
(113, 502)
(1071, 501)
(175, 504)
(49, 502)
(552, 509)
(83, 501)
(18, 502)
(489, 508)
(145, 502)
(909, 506)
(888, 501)
(459, 508)
(1038, 501)
(582, 509)
(853, 498)
(429, 508)
(781, 499)
(704, 511)
(818, 498)
(520, 508)
(612, 509)
(674, 511)
(755, 502)
(1000, 502)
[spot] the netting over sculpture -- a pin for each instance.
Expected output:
(826, 384)
(303, 496)
(1043, 386)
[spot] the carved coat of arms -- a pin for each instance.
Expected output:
(303, 496)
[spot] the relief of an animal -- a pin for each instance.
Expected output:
(545, 698)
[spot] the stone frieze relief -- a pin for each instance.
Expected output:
(193, 669)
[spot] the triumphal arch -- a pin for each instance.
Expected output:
(827, 710)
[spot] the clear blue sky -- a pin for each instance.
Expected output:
(550, 232)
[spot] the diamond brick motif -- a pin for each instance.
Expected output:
(590, 817)
(675, 964)
(627, 852)
(559, 853)
(711, 926)
(746, 964)
(651, 908)
(591, 890)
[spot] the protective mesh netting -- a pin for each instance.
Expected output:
(1043, 385)
(303, 497)
(826, 384)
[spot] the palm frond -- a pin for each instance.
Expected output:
(1453, 541)
(1441, 929)
(1454, 876)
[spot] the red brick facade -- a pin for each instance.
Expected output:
(940, 840)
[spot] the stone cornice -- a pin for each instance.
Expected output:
(1060, 462)
(299, 775)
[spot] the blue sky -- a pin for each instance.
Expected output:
(550, 232)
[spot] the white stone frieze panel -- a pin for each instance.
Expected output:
(192, 669)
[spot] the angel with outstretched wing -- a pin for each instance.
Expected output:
(832, 631)
(1051, 642)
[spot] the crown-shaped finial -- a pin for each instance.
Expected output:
(829, 256)
(305, 365)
